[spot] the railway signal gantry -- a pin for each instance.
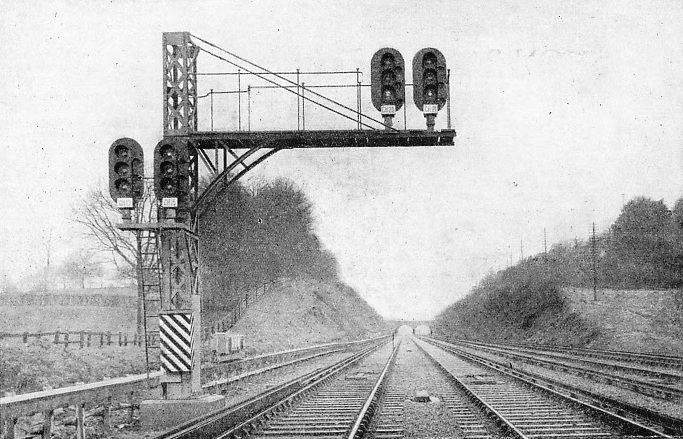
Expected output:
(225, 156)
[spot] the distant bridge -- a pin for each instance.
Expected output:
(412, 323)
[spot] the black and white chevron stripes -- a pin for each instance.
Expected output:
(176, 333)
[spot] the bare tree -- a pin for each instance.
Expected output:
(47, 274)
(98, 214)
(81, 265)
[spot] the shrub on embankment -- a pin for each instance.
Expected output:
(520, 304)
(255, 234)
(640, 251)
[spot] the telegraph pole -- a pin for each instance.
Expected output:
(521, 249)
(595, 272)
(545, 244)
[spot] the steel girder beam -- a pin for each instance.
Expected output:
(240, 165)
(210, 140)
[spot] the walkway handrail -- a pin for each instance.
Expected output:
(13, 407)
(47, 400)
(221, 371)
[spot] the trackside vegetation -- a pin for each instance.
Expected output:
(642, 249)
(255, 234)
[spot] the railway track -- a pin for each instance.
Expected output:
(617, 360)
(344, 407)
(626, 418)
(257, 415)
(418, 389)
(659, 383)
(420, 401)
(668, 362)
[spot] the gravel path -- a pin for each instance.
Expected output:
(420, 402)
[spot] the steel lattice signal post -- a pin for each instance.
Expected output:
(180, 83)
(228, 155)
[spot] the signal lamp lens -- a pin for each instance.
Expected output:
(429, 61)
(430, 95)
(430, 77)
(388, 94)
(388, 61)
(167, 152)
(168, 186)
(122, 169)
(122, 152)
(167, 169)
(122, 185)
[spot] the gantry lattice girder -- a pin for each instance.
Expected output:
(180, 83)
(210, 140)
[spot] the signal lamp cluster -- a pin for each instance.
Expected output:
(171, 175)
(430, 83)
(126, 173)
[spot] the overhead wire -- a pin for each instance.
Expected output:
(291, 91)
(262, 76)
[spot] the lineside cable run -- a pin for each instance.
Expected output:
(262, 76)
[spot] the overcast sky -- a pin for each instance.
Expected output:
(562, 110)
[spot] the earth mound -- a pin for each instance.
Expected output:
(648, 321)
(304, 312)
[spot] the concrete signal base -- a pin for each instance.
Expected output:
(162, 414)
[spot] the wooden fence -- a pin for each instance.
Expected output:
(86, 338)
(234, 314)
(98, 300)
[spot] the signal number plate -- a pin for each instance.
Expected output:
(124, 203)
(430, 108)
(169, 202)
(388, 109)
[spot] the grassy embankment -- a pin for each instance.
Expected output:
(41, 364)
(306, 312)
(527, 304)
(298, 313)
(637, 264)
(513, 306)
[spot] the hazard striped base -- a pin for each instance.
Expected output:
(176, 332)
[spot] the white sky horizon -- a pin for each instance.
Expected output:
(563, 111)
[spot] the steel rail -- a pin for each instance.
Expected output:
(640, 386)
(602, 406)
(641, 358)
(637, 357)
(364, 418)
(501, 420)
(251, 424)
(225, 382)
(245, 417)
(595, 359)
